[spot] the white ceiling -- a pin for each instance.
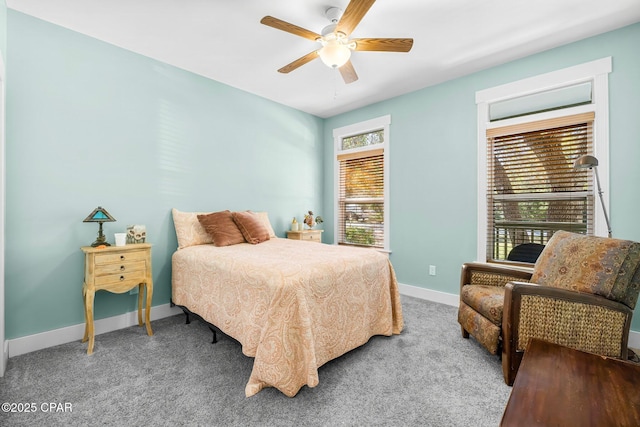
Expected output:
(224, 40)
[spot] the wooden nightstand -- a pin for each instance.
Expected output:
(309, 235)
(116, 269)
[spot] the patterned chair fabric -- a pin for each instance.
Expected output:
(486, 300)
(606, 267)
(483, 330)
(482, 299)
(582, 294)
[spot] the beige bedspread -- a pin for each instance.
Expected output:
(293, 305)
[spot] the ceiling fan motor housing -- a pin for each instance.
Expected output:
(328, 30)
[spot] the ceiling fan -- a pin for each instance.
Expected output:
(336, 45)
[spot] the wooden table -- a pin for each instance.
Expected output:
(559, 386)
(116, 269)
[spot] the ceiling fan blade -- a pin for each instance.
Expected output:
(299, 62)
(353, 14)
(289, 28)
(348, 73)
(384, 45)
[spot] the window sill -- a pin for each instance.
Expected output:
(381, 250)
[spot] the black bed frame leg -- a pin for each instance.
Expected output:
(186, 313)
(184, 310)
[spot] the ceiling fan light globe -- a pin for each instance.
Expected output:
(334, 54)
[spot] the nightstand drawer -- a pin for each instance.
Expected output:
(119, 268)
(132, 278)
(314, 237)
(307, 235)
(108, 258)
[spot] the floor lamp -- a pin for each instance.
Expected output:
(590, 162)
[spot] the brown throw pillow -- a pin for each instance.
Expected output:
(221, 228)
(252, 226)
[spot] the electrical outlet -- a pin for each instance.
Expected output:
(432, 270)
(134, 291)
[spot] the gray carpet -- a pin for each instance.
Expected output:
(427, 376)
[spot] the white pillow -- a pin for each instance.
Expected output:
(189, 231)
(265, 220)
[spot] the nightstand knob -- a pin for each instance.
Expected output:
(121, 278)
(122, 268)
(121, 256)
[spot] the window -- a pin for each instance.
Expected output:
(533, 189)
(529, 134)
(361, 175)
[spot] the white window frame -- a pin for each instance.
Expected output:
(596, 72)
(339, 134)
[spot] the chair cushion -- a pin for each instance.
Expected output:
(596, 265)
(486, 300)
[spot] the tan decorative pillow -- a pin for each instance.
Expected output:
(252, 226)
(189, 231)
(222, 228)
(264, 216)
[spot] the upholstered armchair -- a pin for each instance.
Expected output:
(581, 294)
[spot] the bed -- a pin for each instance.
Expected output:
(292, 305)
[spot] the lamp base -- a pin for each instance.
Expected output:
(101, 240)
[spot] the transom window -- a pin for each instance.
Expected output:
(363, 140)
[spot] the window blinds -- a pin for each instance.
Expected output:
(361, 198)
(533, 189)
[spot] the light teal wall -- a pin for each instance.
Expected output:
(433, 148)
(91, 124)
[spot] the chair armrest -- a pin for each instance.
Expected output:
(491, 274)
(574, 319)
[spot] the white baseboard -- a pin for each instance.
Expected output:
(453, 300)
(429, 294)
(29, 343)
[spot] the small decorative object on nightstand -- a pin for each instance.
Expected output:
(310, 221)
(308, 235)
(136, 233)
(116, 269)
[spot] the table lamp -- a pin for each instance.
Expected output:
(100, 215)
